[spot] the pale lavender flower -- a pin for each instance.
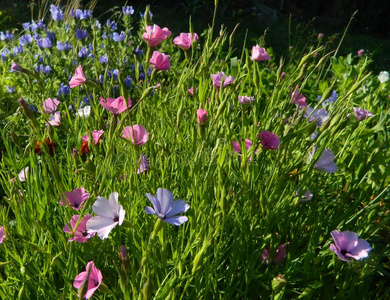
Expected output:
(361, 114)
(348, 245)
(246, 99)
(109, 214)
(325, 162)
(166, 209)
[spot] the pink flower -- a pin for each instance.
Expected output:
(2, 234)
(282, 75)
(15, 67)
(143, 164)
(136, 133)
(154, 35)
(269, 140)
(320, 36)
(109, 214)
(50, 105)
(75, 198)
(160, 61)
(202, 116)
(259, 54)
(191, 91)
(80, 233)
(23, 174)
(346, 244)
(55, 119)
(92, 276)
(78, 78)
(298, 98)
(246, 99)
(115, 106)
(219, 78)
(185, 40)
(96, 135)
(360, 52)
(361, 114)
(280, 254)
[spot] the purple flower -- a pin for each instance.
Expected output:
(83, 52)
(246, 99)
(81, 14)
(111, 24)
(219, 78)
(137, 51)
(346, 244)
(325, 162)
(317, 115)
(81, 34)
(79, 233)
(269, 140)
(4, 54)
(280, 254)
(127, 10)
(166, 209)
(118, 37)
(143, 164)
(6, 36)
(361, 114)
(11, 89)
(109, 214)
(128, 81)
(44, 43)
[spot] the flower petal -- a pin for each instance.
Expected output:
(165, 198)
(179, 206)
(102, 226)
(177, 220)
(102, 208)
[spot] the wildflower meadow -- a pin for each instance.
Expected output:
(140, 162)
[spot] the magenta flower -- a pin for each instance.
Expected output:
(237, 148)
(2, 234)
(297, 98)
(92, 276)
(80, 233)
(160, 61)
(191, 91)
(325, 162)
(360, 52)
(55, 119)
(269, 140)
(219, 78)
(78, 78)
(347, 244)
(136, 133)
(143, 164)
(320, 36)
(361, 114)
(75, 198)
(166, 209)
(246, 99)
(109, 214)
(96, 135)
(50, 105)
(259, 54)
(185, 40)
(202, 116)
(115, 106)
(280, 254)
(154, 35)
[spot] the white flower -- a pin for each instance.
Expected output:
(23, 174)
(109, 214)
(383, 76)
(84, 112)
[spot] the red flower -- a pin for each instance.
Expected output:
(84, 148)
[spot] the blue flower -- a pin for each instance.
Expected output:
(83, 52)
(64, 47)
(166, 209)
(137, 51)
(143, 15)
(111, 24)
(25, 39)
(81, 34)
(103, 59)
(330, 100)
(6, 36)
(63, 90)
(128, 81)
(56, 13)
(4, 54)
(11, 89)
(44, 43)
(101, 78)
(127, 10)
(50, 35)
(118, 37)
